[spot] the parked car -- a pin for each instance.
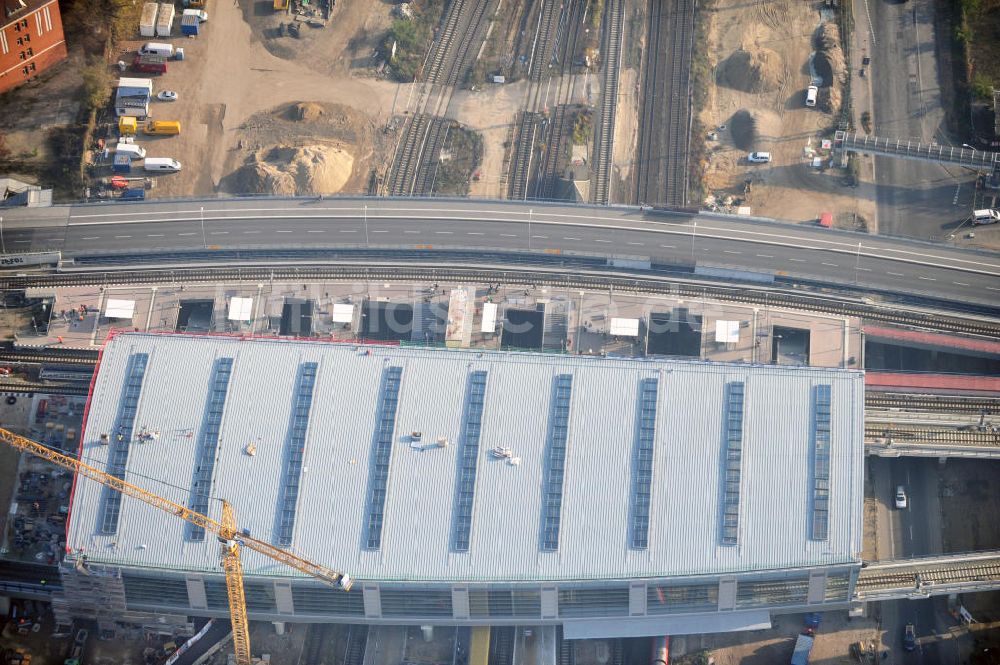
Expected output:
(909, 637)
(901, 497)
(167, 96)
(759, 157)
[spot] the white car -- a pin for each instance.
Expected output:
(167, 96)
(759, 157)
(901, 497)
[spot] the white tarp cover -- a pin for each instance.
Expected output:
(119, 309)
(343, 312)
(624, 327)
(489, 322)
(727, 332)
(240, 309)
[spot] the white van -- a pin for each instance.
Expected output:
(985, 216)
(132, 150)
(157, 48)
(811, 93)
(161, 164)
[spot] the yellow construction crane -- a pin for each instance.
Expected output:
(232, 540)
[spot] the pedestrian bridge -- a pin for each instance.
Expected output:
(909, 149)
(924, 577)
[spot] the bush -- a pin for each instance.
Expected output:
(96, 85)
(866, 122)
(982, 87)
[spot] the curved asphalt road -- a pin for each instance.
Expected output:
(891, 264)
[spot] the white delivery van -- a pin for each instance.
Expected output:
(132, 150)
(157, 48)
(161, 164)
(985, 216)
(811, 93)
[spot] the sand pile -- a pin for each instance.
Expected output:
(304, 111)
(295, 171)
(753, 69)
(829, 61)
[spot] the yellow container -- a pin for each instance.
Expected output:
(127, 125)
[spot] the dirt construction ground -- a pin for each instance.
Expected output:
(234, 93)
(768, 79)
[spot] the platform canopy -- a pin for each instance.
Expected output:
(624, 327)
(240, 309)
(727, 332)
(343, 313)
(119, 309)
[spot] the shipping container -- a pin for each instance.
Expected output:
(165, 20)
(150, 64)
(162, 127)
(122, 163)
(190, 26)
(134, 194)
(147, 24)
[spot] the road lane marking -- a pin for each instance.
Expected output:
(797, 260)
(960, 283)
(474, 233)
(315, 231)
(992, 288)
(23, 241)
(569, 238)
(87, 238)
(283, 231)
(444, 233)
(863, 269)
(348, 230)
(123, 236)
(765, 256)
(604, 241)
(730, 251)
(218, 233)
(927, 279)
(508, 235)
(380, 231)
(411, 231)
(636, 243)
(832, 265)
(667, 246)
(542, 237)
(249, 232)
(154, 235)
(894, 274)
(186, 234)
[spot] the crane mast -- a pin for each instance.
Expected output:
(226, 531)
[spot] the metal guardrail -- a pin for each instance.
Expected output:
(929, 152)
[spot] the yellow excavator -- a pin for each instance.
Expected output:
(226, 531)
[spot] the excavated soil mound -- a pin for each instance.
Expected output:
(743, 128)
(829, 61)
(756, 69)
(295, 171)
(305, 111)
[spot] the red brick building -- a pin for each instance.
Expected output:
(31, 40)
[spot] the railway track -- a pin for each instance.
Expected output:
(520, 166)
(541, 53)
(581, 278)
(557, 129)
(57, 388)
(430, 154)
(567, 654)
(357, 642)
(665, 122)
(604, 130)
(501, 646)
(932, 403)
(415, 163)
(932, 436)
(874, 580)
(316, 639)
(29, 357)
